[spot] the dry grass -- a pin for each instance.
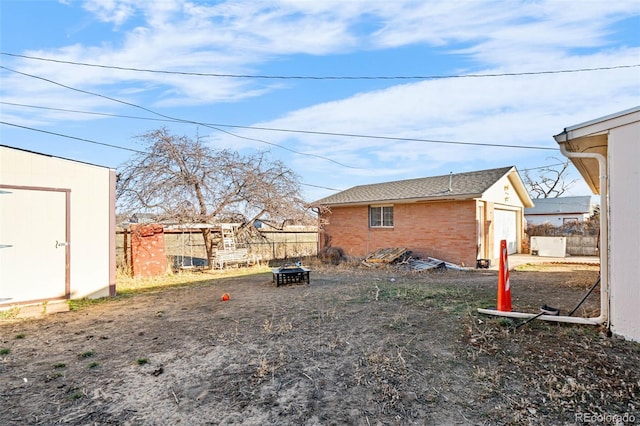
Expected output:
(127, 284)
(357, 346)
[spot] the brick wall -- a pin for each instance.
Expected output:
(148, 256)
(444, 230)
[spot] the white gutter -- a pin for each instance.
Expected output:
(604, 248)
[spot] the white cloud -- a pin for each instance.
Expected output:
(523, 110)
(112, 11)
(243, 37)
(237, 38)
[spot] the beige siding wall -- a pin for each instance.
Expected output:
(504, 196)
(503, 193)
(92, 263)
(624, 226)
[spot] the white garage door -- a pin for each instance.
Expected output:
(505, 228)
(32, 245)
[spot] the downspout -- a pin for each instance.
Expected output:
(604, 249)
(604, 224)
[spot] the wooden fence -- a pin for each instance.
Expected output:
(186, 249)
(578, 245)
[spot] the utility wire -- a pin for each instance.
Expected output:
(321, 187)
(178, 119)
(76, 138)
(75, 111)
(119, 147)
(307, 77)
(147, 153)
(542, 167)
(350, 135)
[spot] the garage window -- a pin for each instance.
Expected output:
(381, 216)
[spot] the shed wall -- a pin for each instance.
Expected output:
(624, 228)
(91, 209)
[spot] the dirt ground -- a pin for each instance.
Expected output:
(357, 346)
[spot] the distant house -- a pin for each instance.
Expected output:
(458, 217)
(606, 151)
(57, 229)
(559, 211)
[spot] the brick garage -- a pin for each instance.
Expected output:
(451, 217)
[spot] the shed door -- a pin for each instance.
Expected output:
(505, 228)
(32, 245)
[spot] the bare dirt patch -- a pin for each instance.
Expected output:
(356, 346)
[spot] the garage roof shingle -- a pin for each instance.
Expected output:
(470, 183)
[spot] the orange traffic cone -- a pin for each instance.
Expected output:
(504, 287)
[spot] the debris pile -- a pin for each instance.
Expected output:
(433, 263)
(401, 257)
(386, 256)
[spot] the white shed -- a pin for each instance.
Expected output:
(57, 229)
(606, 151)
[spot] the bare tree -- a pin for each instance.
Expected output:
(183, 180)
(551, 182)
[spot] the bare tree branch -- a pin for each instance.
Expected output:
(550, 183)
(182, 180)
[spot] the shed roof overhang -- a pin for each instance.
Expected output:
(588, 167)
(593, 137)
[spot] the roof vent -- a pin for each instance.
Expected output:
(450, 181)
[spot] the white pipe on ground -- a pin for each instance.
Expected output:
(556, 318)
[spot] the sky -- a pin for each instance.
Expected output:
(344, 92)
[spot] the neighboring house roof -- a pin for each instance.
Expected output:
(560, 205)
(452, 186)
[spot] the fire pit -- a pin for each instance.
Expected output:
(290, 274)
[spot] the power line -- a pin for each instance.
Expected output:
(76, 138)
(542, 167)
(148, 153)
(177, 119)
(307, 77)
(75, 111)
(312, 132)
(119, 147)
(321, 187)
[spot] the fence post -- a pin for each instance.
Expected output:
(126, 253)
